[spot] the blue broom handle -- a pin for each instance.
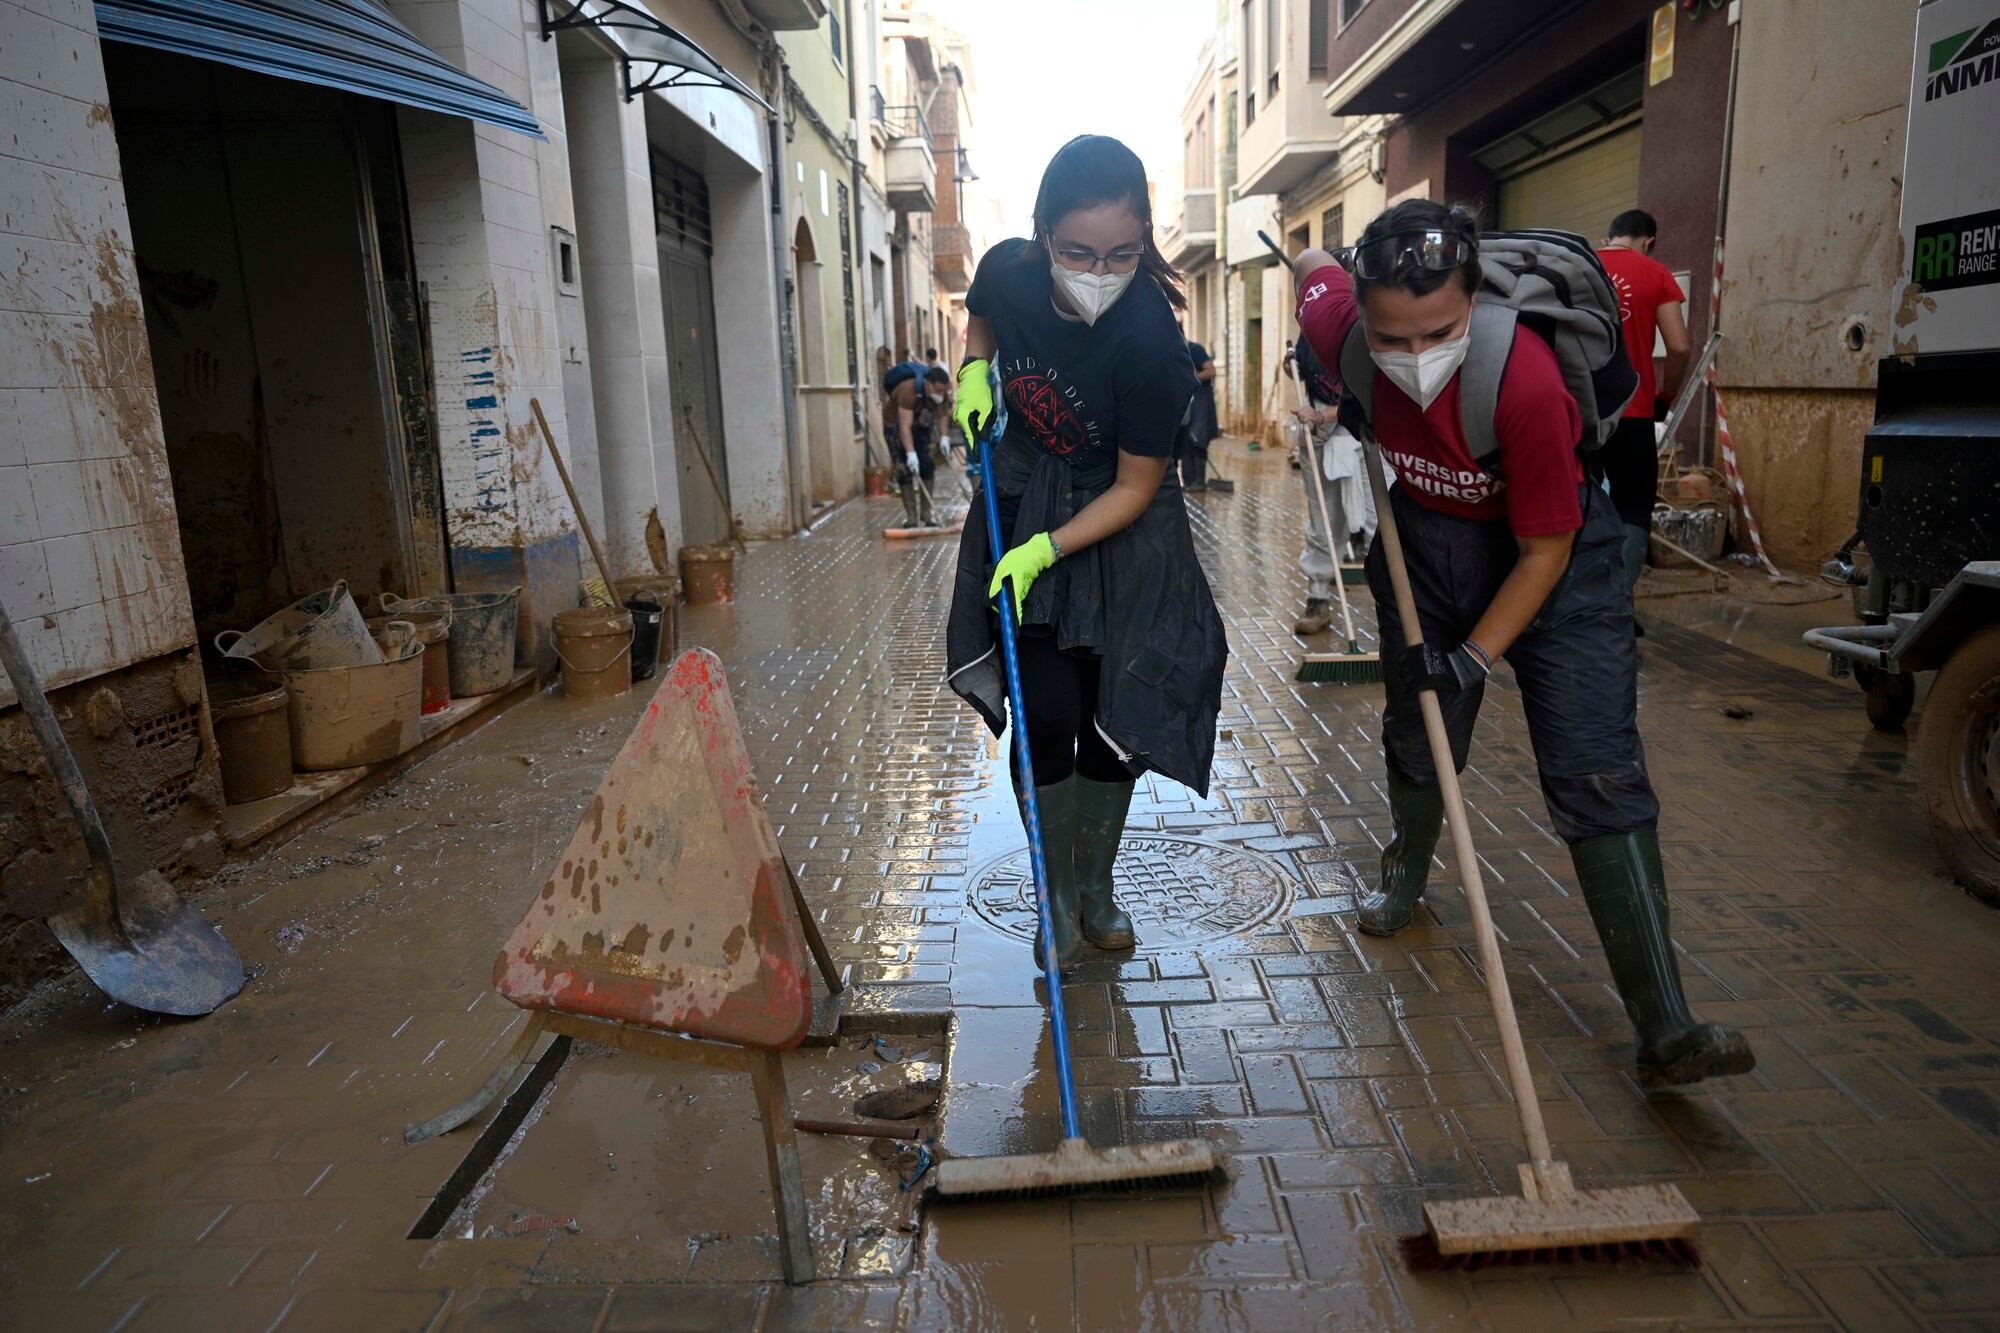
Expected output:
(1051, 974)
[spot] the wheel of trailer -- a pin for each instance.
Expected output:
(1958, 763)
(1888, 695)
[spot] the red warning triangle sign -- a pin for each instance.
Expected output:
(670, 907)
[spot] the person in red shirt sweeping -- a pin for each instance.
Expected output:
(1648, 299)
(1520, 559)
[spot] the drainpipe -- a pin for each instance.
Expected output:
(781, 272)
(1721, 224)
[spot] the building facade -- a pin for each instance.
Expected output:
(1551, 114)
(283, 317)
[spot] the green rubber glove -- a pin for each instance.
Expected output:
(973, 406)
(1024, 564)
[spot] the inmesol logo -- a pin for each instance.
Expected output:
(1963, 60)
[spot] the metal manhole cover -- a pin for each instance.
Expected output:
(1181, 892)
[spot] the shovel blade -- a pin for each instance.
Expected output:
(169, 960)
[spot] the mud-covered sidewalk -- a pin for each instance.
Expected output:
(247, 1170)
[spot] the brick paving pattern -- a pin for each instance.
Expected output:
(246, 1171)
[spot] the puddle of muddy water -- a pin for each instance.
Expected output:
(646, 1169)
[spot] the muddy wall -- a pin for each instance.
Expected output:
(1800, 450)
(90, 562)
(1808, 287)
(90, 555)
(483, 252)
(143, 739)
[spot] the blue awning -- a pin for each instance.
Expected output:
(353, 45)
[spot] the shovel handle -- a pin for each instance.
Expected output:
(1526, 1104)
(102, 884)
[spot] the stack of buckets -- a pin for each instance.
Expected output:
(604, 649)
(354, 691)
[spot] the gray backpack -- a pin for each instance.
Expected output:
(1554, 283)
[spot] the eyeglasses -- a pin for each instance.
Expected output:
(1122, 260)
(1385, 257)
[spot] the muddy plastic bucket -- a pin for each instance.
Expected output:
(434, 633)
(322, 630)
(482, 635)
(253, 734)
(649, 616)
(708, 573)
(666, 590)
(594, 645)
(342, 717)
(875, 481)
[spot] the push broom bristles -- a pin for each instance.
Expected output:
(1352, 667)
(1421, 1255)
(1076, 1167)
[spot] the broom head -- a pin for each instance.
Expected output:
(1624, 1221)
(1349, 668)
(1075, 1165)
(944, 529)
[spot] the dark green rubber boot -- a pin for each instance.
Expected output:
(1057, 805)
(1406, 861)
(1626, 890)
(1100, 823)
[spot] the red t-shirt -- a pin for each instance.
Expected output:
(1535, 421)
(1644, 285)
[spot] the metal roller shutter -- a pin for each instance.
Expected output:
(1580, 190)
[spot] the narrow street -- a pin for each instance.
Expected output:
(247, 1170)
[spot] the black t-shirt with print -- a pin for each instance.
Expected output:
(1083, 391)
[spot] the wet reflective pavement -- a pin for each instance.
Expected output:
(247, 1170)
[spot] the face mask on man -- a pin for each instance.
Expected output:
(1423, 375)
(1089, 294)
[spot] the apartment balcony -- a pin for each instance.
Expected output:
(911, 159)
(1247, 216)
(787, 15)
(951, 255)
(1292, 135)
(1398, 54)
(1190, 241)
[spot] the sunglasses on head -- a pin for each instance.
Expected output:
(1385, 257)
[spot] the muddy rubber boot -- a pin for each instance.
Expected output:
(1100, 824)
(1406, 861)
(908, 490)
(1057, 806)
(1314, 619)
(1626, 890)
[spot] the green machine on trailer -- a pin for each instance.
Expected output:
(1930, 470)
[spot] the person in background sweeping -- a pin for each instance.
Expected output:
(1121, 647)
(1522, 561)
(912, 397)
(1322, 554)
(1649, 299)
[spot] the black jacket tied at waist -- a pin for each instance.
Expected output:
(1137, 600)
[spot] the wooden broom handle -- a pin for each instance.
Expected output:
(1525, 1101)
(596, 552)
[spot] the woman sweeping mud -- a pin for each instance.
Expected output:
(1121, 648)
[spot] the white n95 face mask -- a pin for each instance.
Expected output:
(1090, 294)
(1423, 375)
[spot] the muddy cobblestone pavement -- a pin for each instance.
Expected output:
(247, 1170)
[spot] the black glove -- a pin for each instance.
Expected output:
(1426, 667)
